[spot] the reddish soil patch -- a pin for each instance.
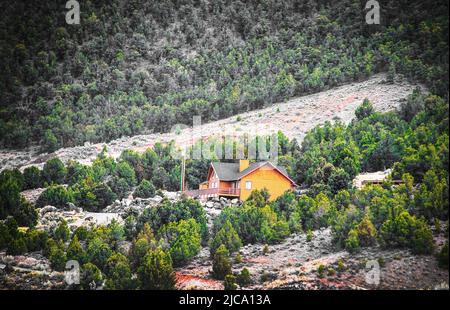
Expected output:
(187, 281)
(258, 260)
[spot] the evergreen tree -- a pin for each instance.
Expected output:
(75, 251)
(91, 277)
(144, 190)
(183, 238)
(62, 232)
(221, 263)
(156, 272)
(54, 171)
(226, 236)
(32, 177)
(367, 233)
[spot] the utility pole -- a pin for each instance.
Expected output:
(183, 172)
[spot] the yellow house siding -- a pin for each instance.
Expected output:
(265, 177)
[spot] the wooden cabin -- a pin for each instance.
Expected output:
(238, 180)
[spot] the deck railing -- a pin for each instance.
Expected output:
(212, 192)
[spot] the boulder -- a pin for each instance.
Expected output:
(47, 209)
(157, 199)
(171, 195)
(73, 207)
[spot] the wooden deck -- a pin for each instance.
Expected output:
(213, 192)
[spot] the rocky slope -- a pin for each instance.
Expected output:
(294, 117)
(295, 263)
(291, 264)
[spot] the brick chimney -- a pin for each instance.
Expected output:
(243, 164)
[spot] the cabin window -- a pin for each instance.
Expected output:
(248, 184)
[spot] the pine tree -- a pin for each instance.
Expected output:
(62, 232)
(91, 277)
(244, 277)
(156, 272)
(367, 232)
(230, 282)
(227, 236)
(221, 263)
(75, 251)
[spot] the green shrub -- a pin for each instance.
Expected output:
(121, 277)
(81, 232)
(36, 240)
(364, 110)
(406, 230)
(443, 256)
(55, 195)
(331, 272)
(320, 271)
(54, 171)
(25, 214)
(62, 232)
(309, 236)
(238, 258)
(57, 256)
(32, 177)
(144, 190)
(75, 251)
(48, 246)
(126, 172)
(167, 212)
(266, 276)
(255, 223)
(367, 233)
(92, 196)
(352, 241)
(12, 203)
(113, 260)
(229, 283)
(91, 277)
(341, 265)
(156, 272)
(221, 263)
(381, 261)
(184, 240)
(244, 277)
(226, 236)
(4, 235)
(120, 187)
(17, 246)
(437, 225)
(138, 250)
(98, 252)
(422, 241)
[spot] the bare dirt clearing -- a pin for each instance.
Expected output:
(294, 117)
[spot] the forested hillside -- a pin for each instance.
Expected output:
(413, 141)
(133, 67)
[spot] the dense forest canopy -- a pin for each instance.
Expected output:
(135, 67)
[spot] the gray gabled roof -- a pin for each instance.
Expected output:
(230, 171)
